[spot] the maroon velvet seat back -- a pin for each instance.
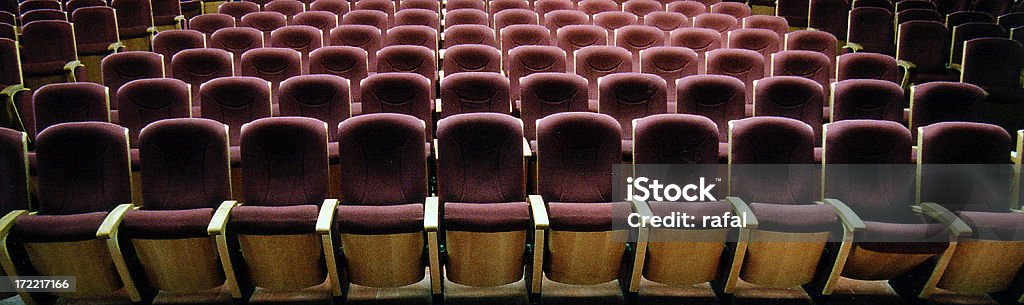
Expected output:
(338, 7)
(210, 23)
(666, 21)
(689, 8)
(284, 161)
(46, 46)
(70, 102)
(594, 62)
(417, 16)
(43, 14)
(14, 170)
(237, 41)
(480, 159)
(385, 6)
(817, 41)
(795, 12)
(197, 66)
(526, 60)
(264, 21)
(83, 167)
(993, 63)
(287, 7)
(8, 31)
(700, 40)
(869, 99)
(169, 43)
(322, 97)
(628, 96)
(235, 101)
(430, 5)
(736, 9)
(28, 6)
(830, 16)
(636, 38)
(670, 63)
(321, 20)
(469, 34)
(134, 17)
(866, 65)
(957, 18)
(465, 16)
(237, 9)
(983, 145)
(522, 35)
(545, 94)
(372, 18)
(410, 59)
(576, 155)
(123, 67)
(99, 30)
(472, 58)
(383, 160)
(302, 38)
(271, 64)
(9, 55)
(405, 93)
(497, 6)
(924, 43)
(946, 102)
(144, 101)
(641, 8)
(773, 23)
(718, 97)
(872, 28)
(918, 15)
(543, 7)
(594, 7)
(165, 11)
(364, 37)
(874, 191)
(764, 42)
(412, 35)
(721, 23)
(745, 65)
(478, 5)
(675, 139)
(612, 21)
(73, 5)
(792, 97)
(344, 61)
(184, 164)
(807, 64)
(574, 37)
(772, 142)
(470, 92)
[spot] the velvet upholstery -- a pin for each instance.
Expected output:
(469, 34)
(792, 97)
(123, 67)
(675, 139)
(866, 65)
(364, 37)
(404, 93)
(575, 155)
(593, 62)
(408, 59)
(235, 101)
(472, 58)
(384, 161)
(168, 43)
(343, 61)
(718, 97)
(526, 60)
(869, 99)
(545, 94)
(102, 29)
(145, 101)
(470, 92)
(210, 23)
(294, 149)
(323, 97)
(70, 102)
(46, 46)
(197, 66)
(134, 17)
(636, 38)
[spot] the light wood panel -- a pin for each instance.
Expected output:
(670, 249)
(982, 266)
(585, 258)
(88, 261)
(384, 261)
(485, 259)
(180, 265)
(782, 260)
(283, 262)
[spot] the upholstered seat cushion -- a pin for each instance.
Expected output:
(391, 219)
(695, 209)
(792, 218)
(166, 224)
(1004, 95)
(58, 228)
(487, 217)
(995, 226)
(923, 238)
(274, 220)
(585, 217)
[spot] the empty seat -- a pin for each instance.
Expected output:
(866, 65)
(921, 52)
(1017, 34)
(1011, 20)
(15, 160)
(235, 101)
(134, 23)
(689, 8)
(322, 97)
(28, 6)
(44, 14)
(287, 7)
(670, 63)
(98, 41)
(373, 18)
(338, 7)
(817, 41)
(472, 92)
(736, 9)
(886, 4)
(718, 97)
(964, 32)
(637, 38)
(574, 37)
(472, 58)
(641, 8)
(453, 5)
(169, 43)
(48, 53)
(16, 98)
(676, 139)
(871, 30)
(866, 99)
(121, 68)
(593, 62)
(8, 31)
(415, 16)
(271, 64)
(522, 35)
(265, 22)
(791, 97)
(70, 102)
(612, 21)
(516, 16)
(796, 12)
(144, 101)
(404, 93)
(209, 23)
(807, 64)
(364, 37)
(410, 59)
(237, 41)
(915, 4)
(745, 65)
(465, 16)
(594, 7)
(469, 34)
(167, 15)
(995, 64)
(412, 35)
(945, 102)
(527, 60)
(832, 16)
(73, 5)
(429, 5)
(961, 17)
(496, 6)
(344, 61)
(238, 9)
(321, 20)
(197, 66)
(773, 23)
(302, 38)
(917, 15)
(543, 7)
(386, 6)
(666, 21)
(764, 42)
(629, 96)
(544, 94)
(700, 40)
(558, 19)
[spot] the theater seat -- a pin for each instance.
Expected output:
(629, 96)
(717, 97)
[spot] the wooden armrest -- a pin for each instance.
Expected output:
(113, 220)
(115, 47)
(431, 210)
(907, 67)
(151, 30)
(956, 67)
(326, 217)
(526, 149)
(12, 90)
(640, 249)
(436, 155)
(7, 222)
(956, 225)
(219, 223)
(739, 207)
(849, 218)
(179, 18)
(437, 105)
(72, 65)
(853, 47)
(539, 213)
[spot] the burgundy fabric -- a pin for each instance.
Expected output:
(629, 96)
(544, 94)
(374, 18)
(915, 4)
(666, 21)
(957, 18)
(197, 66)
(584, 217)
(157, 224)
(57, 228)
(497, 6)
(287, 7)
(872, 28)
(412, 35)
(612, 21)
(594, 7)
(946, 102)
(574, 37)
(966, 143)
(42, 14)
(98, 29)
(567, 14)
(487, 217)
(992, 7)
(775, 24)
(28, 6)
(636, 38)
(718, 97)
(285, 161)
(795, 12)
(321, 20)
(675, 139)
(830, 16)
(866, 65)
(762, 41)
(465, 16)
(408, 59)
(867, 99)
(83, 167)
(210, 23)
(264, 21)
(993, 62)
(344, 61)
(689, 8)
(527, 60)
(164, 12)
(917, 15)
(237, 40)
(700, 40)
(145, 101)
(746, 65)
(170, 42)
(463, 4)
(9, 64)
(641, 8)
(235, 101)
(912, 238)
(134, 17)
(801, 218)
(271, 64)
(73, 5)
(671, 64)
(807, 64)
(430, 5)
(383, 159)
(405, 93)
(323, 97)
(274, 220)
(817, 41)
(13, 170)
(995, 226)
(364, 37)
(237, 9)
(386, 6)
(593, 62)
(416, 16)
(1011, 20)
(924, 43)
(576, 152)
(875, 192)
(471, 58)
(522, 35)
(469, 34)
(721, 23)
(480, 159)
(46, 46)
(379, 220)
(302, 38)
(185, 164)
(70, 102)
(696, 209)
(771, 140)
(8, 31)
(123, 67)
(792, 97)
(739, 10)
